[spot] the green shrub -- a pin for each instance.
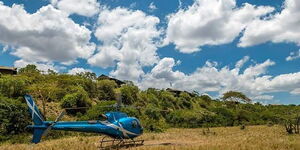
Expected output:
(29, 69)
(152, 125)
(168, 101)
(96, 110)
(153, 112)
(129, 94)
(14, 117)
(65, 81)
(105, 90)
(131, 111)
(78, 99)
(12, 87)
(191, 118)
(225, 116)
(242, 116)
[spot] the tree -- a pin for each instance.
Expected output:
(168, 101)
(185, 100)
(291, 122)
(52, 72)
(235, 97)
(12, 87)
(45, 92)
(29, 69)
(100, 108)
(206, 98)
(105, 89)
(14, 117)
(76, 99)
(87, 75)
(129, 94)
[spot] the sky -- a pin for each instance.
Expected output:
(208, 46)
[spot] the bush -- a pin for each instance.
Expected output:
(185, 100)
(105, 89)
(153, 112)
(14, 117)
(168, 101)
(152, 125)
(191, 118)
(29, 69)
(225, 117)
(242, 116)
(66, 81)
(78, 99)
(131, 112)
(12, 87)
(100, 108)
(129, 94)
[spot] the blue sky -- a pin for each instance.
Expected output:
(209, 46)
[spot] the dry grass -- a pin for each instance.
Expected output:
(230, 138)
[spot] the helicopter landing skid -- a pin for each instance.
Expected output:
(107, 143)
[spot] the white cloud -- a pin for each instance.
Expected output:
(81, 7)
(130, 40)
(133, 5)
(295, 91)
(106, 57)
(152, 7)
(45, 36)
(5, 48)
(293, 56)
(128, 71)
(263, 97)
(280, 27)
(241, 62)
(162, 75)
(75, 71)
(253, 81)
(179, 4)
(210, 22)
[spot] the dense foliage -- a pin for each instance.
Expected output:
(13, 117)
(157, 109)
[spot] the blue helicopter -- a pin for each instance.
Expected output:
(119, 129)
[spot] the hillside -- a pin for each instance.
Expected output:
(158, 109)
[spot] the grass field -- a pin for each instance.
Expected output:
(225, 138)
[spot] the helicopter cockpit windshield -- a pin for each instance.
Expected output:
(112, 116)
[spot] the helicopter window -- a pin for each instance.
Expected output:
(134, 124)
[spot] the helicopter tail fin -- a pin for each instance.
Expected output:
(35, 114)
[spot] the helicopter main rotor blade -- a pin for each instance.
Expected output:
(76, 108)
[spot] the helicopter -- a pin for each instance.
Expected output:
(118, 128)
